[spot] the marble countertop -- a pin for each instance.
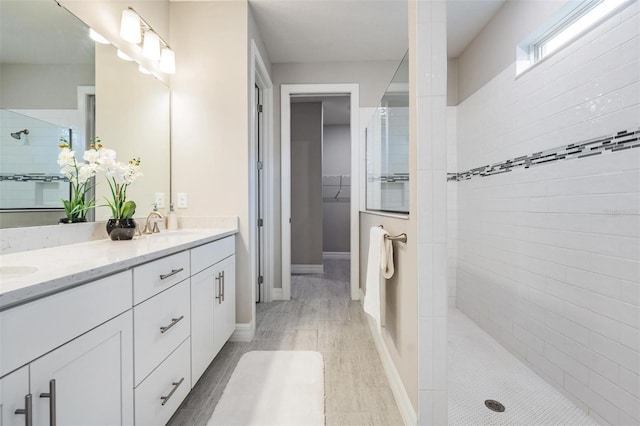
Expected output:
(30, 275)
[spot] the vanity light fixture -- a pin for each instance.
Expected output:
(123, 55)
(151, 46)
(97, 37)
(143, 70)
(168, 61)
(136, 30)
(130, 26)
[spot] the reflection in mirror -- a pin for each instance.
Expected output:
(46, 63)
(387, 147)
(50, 70)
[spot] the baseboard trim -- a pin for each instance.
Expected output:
(307, 269)
(276, 294)
(407, 412)
(336, 255)
(244, 332)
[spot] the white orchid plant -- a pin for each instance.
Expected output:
(97, 159)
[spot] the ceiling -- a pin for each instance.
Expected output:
(356, 30)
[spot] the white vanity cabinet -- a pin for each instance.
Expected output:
(224, 310)
(122, 349)
(15, 400)
(212, 301)
(86, 381)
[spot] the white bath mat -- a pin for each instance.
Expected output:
(273, 388)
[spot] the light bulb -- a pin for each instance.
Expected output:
(151, 46)
(168, 61)
(97, 37)
(130, 26)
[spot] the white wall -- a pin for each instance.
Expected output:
(549, 257)
(494, 48)
(210, 121)
(428, 168)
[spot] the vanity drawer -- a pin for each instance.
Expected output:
(209, 254)
(153, 277)
(169, 383)
(37, 327)
(159, 325)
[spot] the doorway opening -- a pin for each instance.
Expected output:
(312, 188)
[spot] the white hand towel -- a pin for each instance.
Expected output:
(379, 266)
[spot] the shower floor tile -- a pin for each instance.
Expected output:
(480, 369)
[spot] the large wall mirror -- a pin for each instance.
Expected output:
(387, 147)
(55, 81)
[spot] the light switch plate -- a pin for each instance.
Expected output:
(159, 200)
(182, 200)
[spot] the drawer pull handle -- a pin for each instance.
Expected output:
(219, 280)
(27, 410)
(222, 285)
(172, 273)
(52, 401)
(174, 321)
(175, 385)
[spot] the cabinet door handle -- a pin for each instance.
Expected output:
(172, 273)
(174, 321)
(27, 410)
(222, 285)
(52, 401)
(175, 385)
(219, 280)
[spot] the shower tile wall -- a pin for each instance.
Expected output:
(549, 257)
(452, 206)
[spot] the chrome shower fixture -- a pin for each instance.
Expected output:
(16, 135)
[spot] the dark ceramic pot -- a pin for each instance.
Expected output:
(121, 229)
(74, 220)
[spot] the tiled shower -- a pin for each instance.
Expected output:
(547, 241)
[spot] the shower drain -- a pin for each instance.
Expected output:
(494, 405)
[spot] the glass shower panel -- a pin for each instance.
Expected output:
(29, 174)
(387, 139)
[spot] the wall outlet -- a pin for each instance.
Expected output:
(182, 200)
(159, 200)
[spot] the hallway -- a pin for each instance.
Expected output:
(319, 317)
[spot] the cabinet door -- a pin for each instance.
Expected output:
(13, 390)
(92, 375)
(203, 293)
(224, 320)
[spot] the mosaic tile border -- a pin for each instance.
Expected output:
(621, 141)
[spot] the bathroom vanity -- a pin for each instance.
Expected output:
(108, 332)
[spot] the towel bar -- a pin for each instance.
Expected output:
(402, 237)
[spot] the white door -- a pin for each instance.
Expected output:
(203, 293)
(14, 396)
(88, 381)
(224, 320)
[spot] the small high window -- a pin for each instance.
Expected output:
(571, 22)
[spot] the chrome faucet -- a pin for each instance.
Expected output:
(155, 224)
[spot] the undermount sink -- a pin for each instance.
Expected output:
(17, 271)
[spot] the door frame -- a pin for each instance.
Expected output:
(286, 91)
(259, 75)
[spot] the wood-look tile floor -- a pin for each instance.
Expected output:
(319, 317)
